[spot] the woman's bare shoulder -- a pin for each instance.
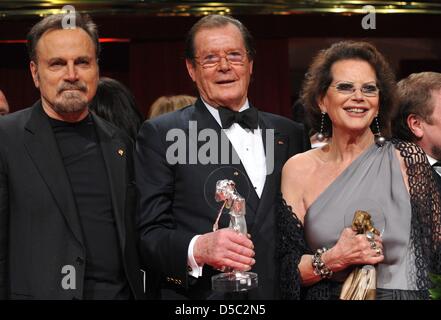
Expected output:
(295, 180)
(301, 164)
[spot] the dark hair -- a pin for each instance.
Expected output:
(114, 103)
(299, 115)
(415, 97)
(319, 78)
(217, 21)
(54, 22)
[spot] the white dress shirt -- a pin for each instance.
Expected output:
(249, 148)
(432, 161)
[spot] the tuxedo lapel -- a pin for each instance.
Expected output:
(114, 154)
(437, 179)
(203, 117)
(276, 144)
(230, 169)
(42, 147)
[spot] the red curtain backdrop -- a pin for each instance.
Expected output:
(270, 89)
(158, 68)
(151, 64)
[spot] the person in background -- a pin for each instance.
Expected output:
(167, 104)
(419, 116)
(4, 106)
(300, 116)
(116, 104)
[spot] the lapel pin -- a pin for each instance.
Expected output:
(236, 173)
(121, 152)
(280, 142)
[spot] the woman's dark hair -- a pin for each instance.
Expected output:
(319, 77)
(114, 103)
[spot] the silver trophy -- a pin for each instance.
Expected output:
(232, 280)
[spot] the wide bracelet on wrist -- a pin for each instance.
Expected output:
(320, 268)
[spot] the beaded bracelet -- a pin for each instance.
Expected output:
(320, 269)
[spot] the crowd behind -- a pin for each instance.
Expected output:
(86, 181)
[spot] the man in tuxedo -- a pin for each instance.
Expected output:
(418, 118)
(181, 155)
(67, 194)
(4, 107)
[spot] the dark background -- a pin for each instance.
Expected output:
(147, 52)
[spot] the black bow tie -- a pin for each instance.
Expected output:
(247, 119)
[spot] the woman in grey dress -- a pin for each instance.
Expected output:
(349, 93)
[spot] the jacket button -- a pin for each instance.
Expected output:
(80, 261)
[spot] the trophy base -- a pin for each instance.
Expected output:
(234, 281)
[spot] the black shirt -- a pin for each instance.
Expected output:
(85, 167)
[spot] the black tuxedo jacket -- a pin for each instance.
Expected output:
(437, 178)
(177, 200)
(40, 231)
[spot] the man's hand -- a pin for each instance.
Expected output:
(224, 248)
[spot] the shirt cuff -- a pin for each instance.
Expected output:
(194, 269)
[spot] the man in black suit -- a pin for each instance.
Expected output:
(180, 157)
(418, 118)
(67, 194)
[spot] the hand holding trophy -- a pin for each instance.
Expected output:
(232, 281)
(361, 282)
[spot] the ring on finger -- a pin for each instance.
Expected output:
(222, 269)
(370, 235)
(373, 245)
(379, 251)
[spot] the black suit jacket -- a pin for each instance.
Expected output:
(40, 231)
(177, 200)
(437, 178)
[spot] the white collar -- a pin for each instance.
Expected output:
(432, 161)
(215, 113)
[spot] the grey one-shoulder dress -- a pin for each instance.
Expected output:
(373, 183)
